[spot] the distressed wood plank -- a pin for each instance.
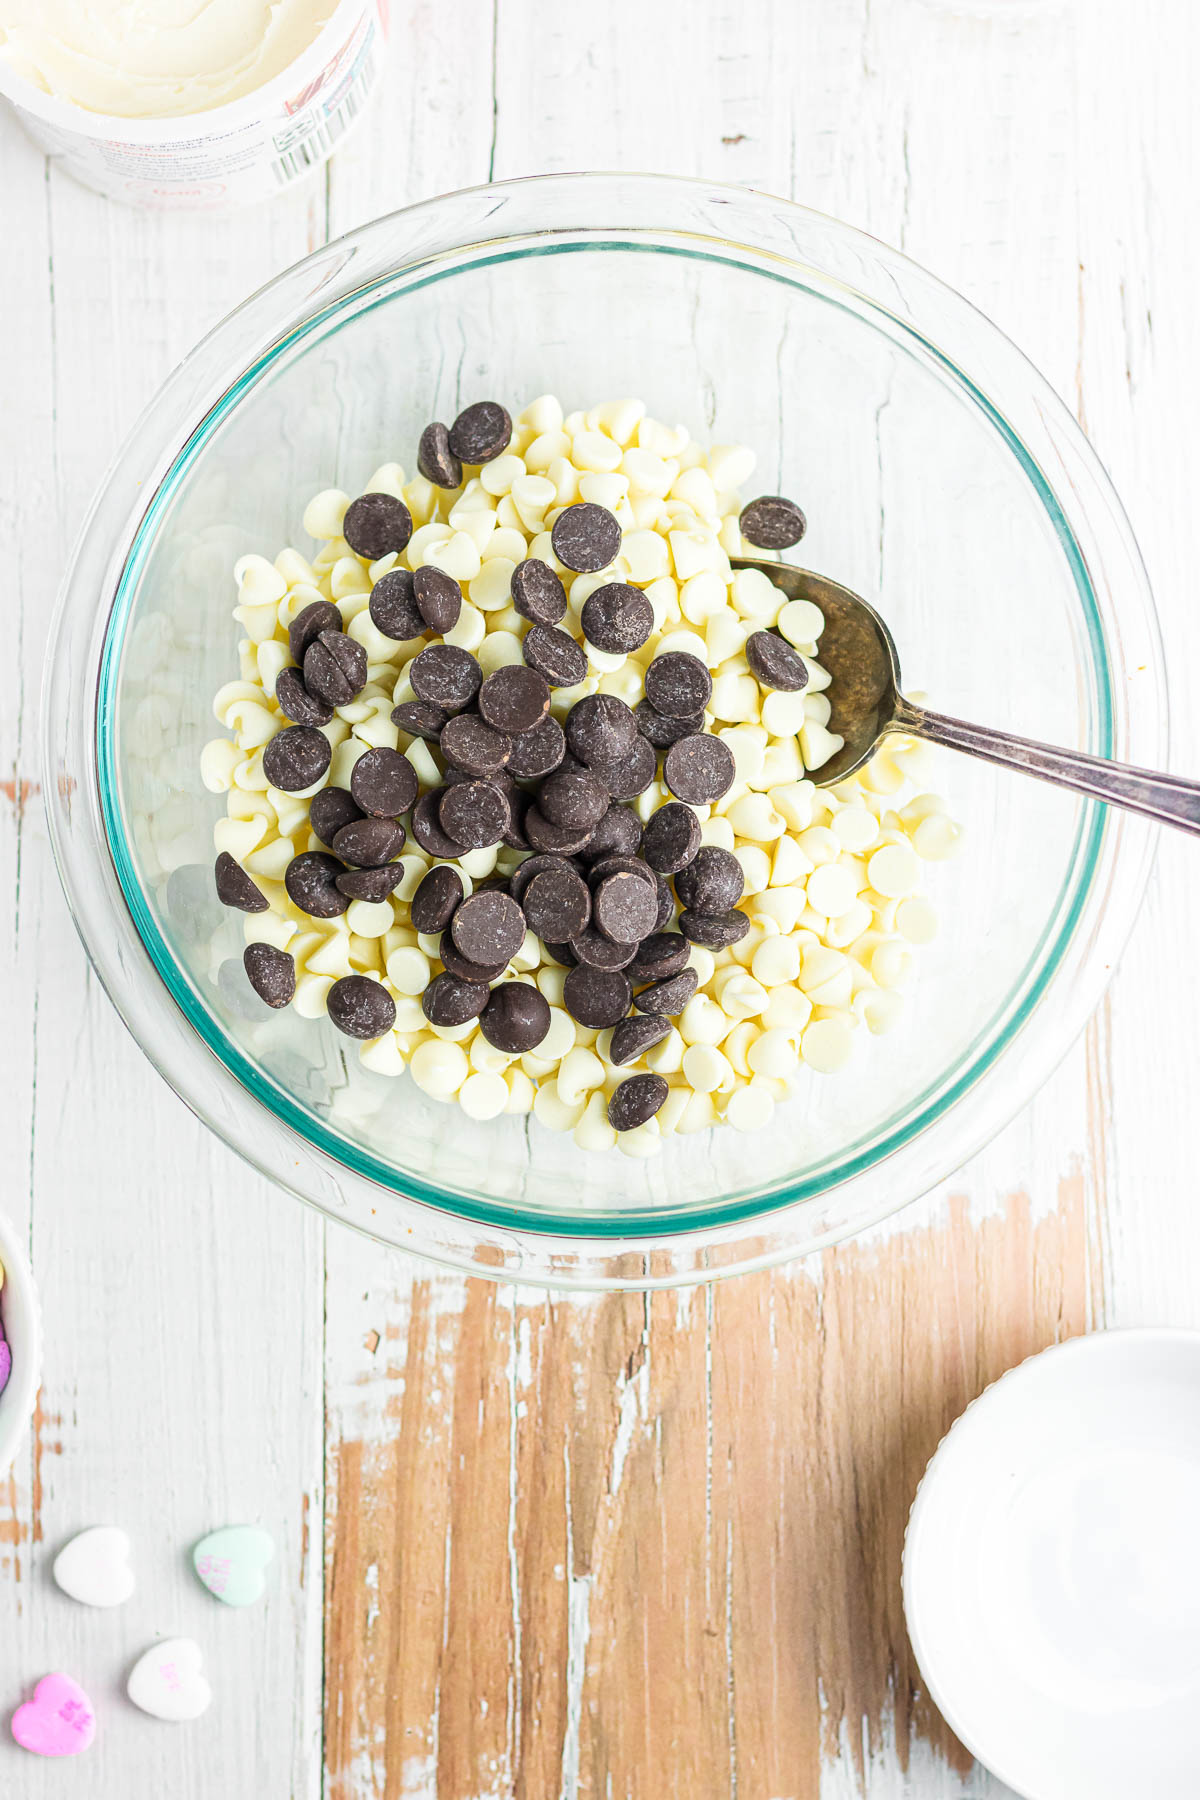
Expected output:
(514, 1513)
(175, 1398)
(700, 1579)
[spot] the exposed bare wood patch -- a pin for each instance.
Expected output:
(18, 792)
(637, 1547)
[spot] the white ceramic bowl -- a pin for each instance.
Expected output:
(1051, 1582)
(21, 1313)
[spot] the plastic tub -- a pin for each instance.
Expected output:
(247, 150)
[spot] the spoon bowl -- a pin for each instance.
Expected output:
(860, 655)
(866, 702)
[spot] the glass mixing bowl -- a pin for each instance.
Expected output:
(941, 477)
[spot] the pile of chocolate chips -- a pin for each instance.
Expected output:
(595, 887)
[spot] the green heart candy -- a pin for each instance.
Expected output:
(232, 1563)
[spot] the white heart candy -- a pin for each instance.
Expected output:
(95, 1568)
(168, 1681)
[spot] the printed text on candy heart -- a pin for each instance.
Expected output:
(214, 1572)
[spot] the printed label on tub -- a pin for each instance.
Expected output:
(247, 162)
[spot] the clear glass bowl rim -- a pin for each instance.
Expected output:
(1108, 875)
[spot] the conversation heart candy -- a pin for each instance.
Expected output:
(232, 1563)
(95, 1568)
(5, 1364)
(58, 1721)
(168, 1681)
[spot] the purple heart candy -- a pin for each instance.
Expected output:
(5, 1364)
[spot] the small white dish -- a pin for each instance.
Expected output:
(1052, 1570)
(21, 1316)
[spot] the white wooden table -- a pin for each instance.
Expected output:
(532, 1547)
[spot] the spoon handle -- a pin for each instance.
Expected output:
(1167, 799)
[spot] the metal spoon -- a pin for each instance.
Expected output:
(866, 703)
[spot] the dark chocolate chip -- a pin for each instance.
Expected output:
(393, 608)
(519, 804)
(716, 931)
(455, 963)
(329, 810)
(637, 1099)
(307, 625)
(480, 432)
(774, 663)
(585, 537)
(369, 843)
(437, 895)
(371, 884)
(534, 865)
(667, 998)
(235, 888)
(472, 745)
(516, 1017)
(514, 699)
(634, 1036)
(235, 990)
(488, 927)
(592, 950)
(420, 718)
(662, 731)
(555, 655)
(617, 618)
(474, 814)
(427, 828)
(663, 954)
(436, 460)
(335, 668)
(360, 1007)
(296, 703)
(772, 522)
(383, 782)
(438, 597)
(625, 907)
(561, 954)
(556, 904)
(619, 833)
(377, 525)
(272, 973)
(678, 686)
(612, 865)
(600, 729)
(538, 752)
(672, 838)
(577, 801)
(713, 882)
(537, 593)
(666, 904)
(311, 882)
(561, 840)
(631, 774)
(446, 674)
(699, 768)
(597, 997)
(448, 1000)
(296, 757)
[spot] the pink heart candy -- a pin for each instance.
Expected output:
(5, 1364)
(58, 1721)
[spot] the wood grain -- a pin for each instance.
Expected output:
(602, 1547)
(650, 1546)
